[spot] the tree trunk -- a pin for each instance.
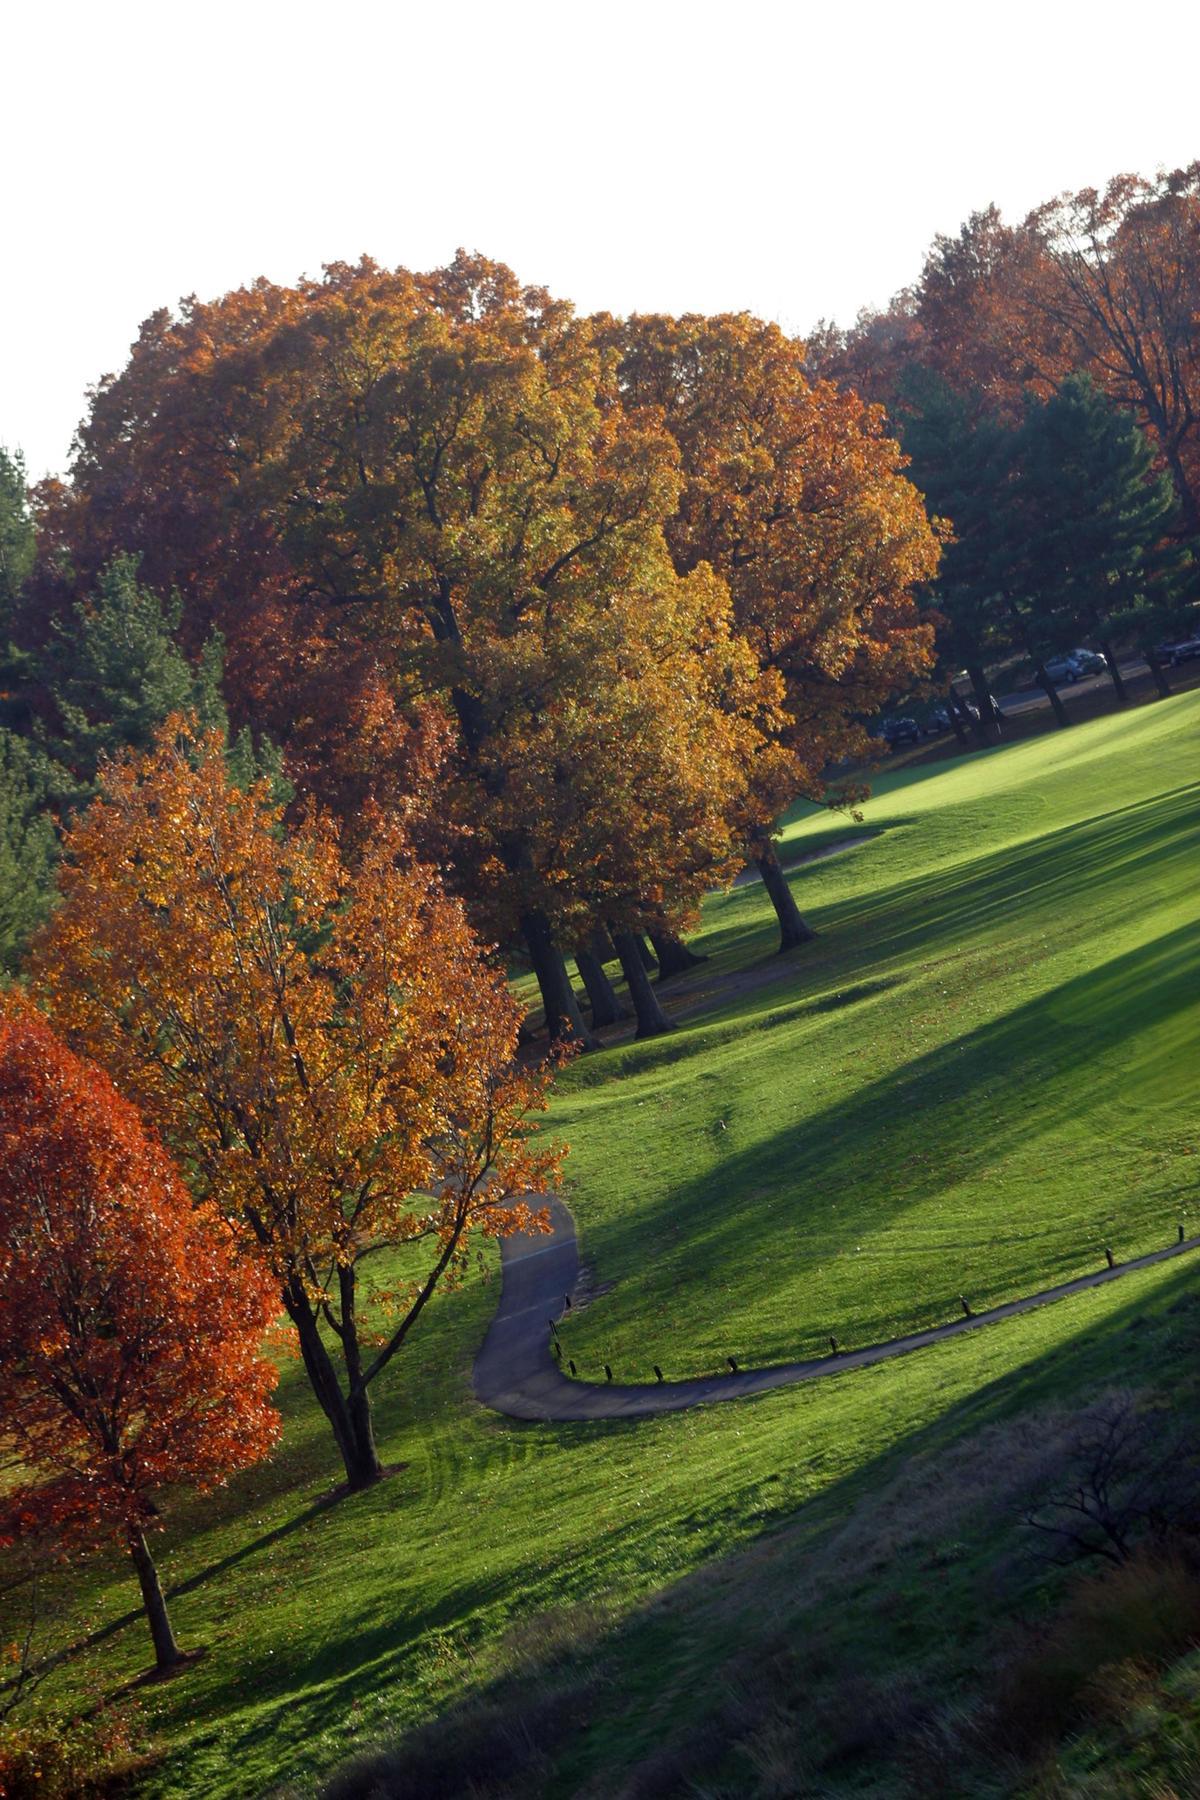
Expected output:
(674, 957)
(363, 1468)
(1189, 501)
(793, 930)
(651, 1019)
(601, 945)
(649, 960)
(167, 1654)
(955, 716)
(367, 1467)
(989, 724)
(1052, 694)
(350, 1421)
(1160, 675)
(1106, 651)
(602, 995)
(563, 1017)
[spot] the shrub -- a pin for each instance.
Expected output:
(1135, 1617)
(67, 1759)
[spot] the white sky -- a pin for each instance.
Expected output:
(640, 154)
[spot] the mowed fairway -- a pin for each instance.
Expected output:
(981, 1074)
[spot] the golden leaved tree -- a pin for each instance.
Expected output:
(328, 1049)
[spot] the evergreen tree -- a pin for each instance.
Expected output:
(16, 530)
(961, 460)
(1091, 524)
(17, 546)
(117, 672)
(28, 843)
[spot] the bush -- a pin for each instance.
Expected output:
(66, 1759)
(1111, 1630)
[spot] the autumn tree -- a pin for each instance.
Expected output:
(635, 735)
(412, 491)
(1124, 293)
(794, 494)
(328, 1049)
(131, 1329)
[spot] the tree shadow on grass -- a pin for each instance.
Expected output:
(672, 1658)
(1124, 852)
(978, 1098)
(1118, 858)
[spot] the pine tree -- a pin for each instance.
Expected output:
(1092, 522)
(961, 460)
(17, 546)
(28, 843)
(117, 671)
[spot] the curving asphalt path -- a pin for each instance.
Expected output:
(516, 1371)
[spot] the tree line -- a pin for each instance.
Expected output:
(591, 600)
(1044, 379)
(392, 626)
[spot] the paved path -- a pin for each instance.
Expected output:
(751, 872)
(516, 1372)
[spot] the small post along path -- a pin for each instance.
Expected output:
(516, 1372)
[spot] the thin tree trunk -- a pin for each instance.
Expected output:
(674, 957)
(602, 996)
(1106, 651)
(989, 724)
(563, 1017)
(651, 1019)
(1189, 502)
(601, 945)
(323, 1379)
(793, 929)
(1163, 686)
(955, 716)
(367, 1468)
(167, 1654)
(1052, 694)
(649, 960)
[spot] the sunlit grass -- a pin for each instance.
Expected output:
(976, 1079)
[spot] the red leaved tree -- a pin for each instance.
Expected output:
(130, 1330)
(326, 1044)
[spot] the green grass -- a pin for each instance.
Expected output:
(972, 1082)
(975, 1080)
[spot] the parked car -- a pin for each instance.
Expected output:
(1073, 665)
(1181, 650)
(938, 720)
(901, 731)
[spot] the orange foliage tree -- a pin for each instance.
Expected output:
(1123, 297)
(328, 1048)
(794, 494)
(130, 1329)
(412, 495)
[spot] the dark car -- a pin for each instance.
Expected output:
(901, 731)
(1180, 651)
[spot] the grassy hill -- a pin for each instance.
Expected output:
(975, 1079)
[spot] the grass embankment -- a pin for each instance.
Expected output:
(977, 1078)
(971, 1083)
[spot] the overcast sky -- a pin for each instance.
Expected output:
(794, 160)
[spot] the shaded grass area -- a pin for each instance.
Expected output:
(973, 1081)
(851, 1643)
(979, 1078)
